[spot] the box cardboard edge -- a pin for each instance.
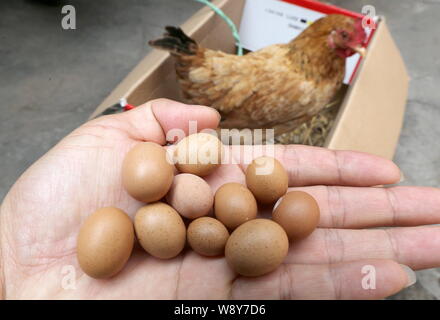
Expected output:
(348, 134)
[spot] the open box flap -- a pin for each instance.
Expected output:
(371, 116)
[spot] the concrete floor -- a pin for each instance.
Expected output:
(51, 79)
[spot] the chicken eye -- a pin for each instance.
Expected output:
(345, 35)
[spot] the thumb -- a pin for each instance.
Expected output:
(154, 119)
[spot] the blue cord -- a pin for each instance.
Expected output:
(231, 24)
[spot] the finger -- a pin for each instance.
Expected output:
(351, 207)
(189, 118)
(416, 247)
(365, 279)
(138, 124)
(155, 119)
(312, 165)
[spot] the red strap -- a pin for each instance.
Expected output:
(128, 107)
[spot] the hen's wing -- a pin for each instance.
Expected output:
(259, 89)
(220, 80)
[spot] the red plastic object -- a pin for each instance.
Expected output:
(324, 8)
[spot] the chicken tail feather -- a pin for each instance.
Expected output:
(175, 41)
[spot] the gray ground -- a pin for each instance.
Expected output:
(51, 80)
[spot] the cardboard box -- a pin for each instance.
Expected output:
(369, 119)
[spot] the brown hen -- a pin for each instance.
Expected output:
(280, 86)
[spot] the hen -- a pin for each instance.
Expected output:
(280, 86)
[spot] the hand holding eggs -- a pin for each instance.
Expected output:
(254, 248)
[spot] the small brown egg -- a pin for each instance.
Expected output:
(234, 204)
(147, 174)
(267, 179)
(190, 195)
(105, 242)
(160, 230)
(199, 154)
(256, 247)
(207, 236)
(298, 213)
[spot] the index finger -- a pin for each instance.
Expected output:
(319, 166)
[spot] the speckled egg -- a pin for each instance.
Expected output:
(234, 204)
(199, 154)
(267, 179)
(257, 247)
(207, 236)
(190, 195)
(105, 242)
(160, 230)
(147, 173)
(298, 213)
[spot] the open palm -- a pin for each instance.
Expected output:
(41, 216)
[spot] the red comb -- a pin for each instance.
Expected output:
(360, 35)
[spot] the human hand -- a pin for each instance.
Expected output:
(42, 213)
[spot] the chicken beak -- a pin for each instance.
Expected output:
(361, 50)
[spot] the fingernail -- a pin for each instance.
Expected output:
(402, 176)
(412, 278)
(218, 114)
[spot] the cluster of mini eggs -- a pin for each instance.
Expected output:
(255, 246)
